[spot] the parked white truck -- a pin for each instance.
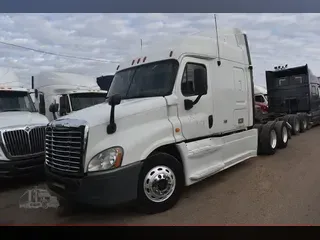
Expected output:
(175, 116)
(72, 92)
(22, 129)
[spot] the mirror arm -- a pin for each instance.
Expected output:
(112, 127)
(197, 99)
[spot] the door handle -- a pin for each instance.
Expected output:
(210, 121)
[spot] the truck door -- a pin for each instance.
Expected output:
(197, 121)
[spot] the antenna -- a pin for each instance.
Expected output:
(141, 44)
(217, 36)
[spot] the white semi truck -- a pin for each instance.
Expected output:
(72, 92)
(22, 129)
(173, 117)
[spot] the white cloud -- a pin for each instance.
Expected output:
(275, 39)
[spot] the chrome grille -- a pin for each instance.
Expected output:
(21, 142)
(64, 149)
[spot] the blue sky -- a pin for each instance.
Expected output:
(275, 39)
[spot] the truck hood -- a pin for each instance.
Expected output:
(100, 114)
(13, 119)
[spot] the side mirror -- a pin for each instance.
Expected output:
(54, 107)
(36, 93)
(114, 100)
(200, 83)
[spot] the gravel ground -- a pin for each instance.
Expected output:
(278, 189)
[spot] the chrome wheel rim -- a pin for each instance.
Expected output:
(159, 184)
(284, 134)
(273, 139)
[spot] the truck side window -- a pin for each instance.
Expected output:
(297, 80)
(313, 91)
(188, 80)
(259, 98)
(64, 105)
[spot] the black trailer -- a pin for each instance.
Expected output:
(104, 82)
(293, 94)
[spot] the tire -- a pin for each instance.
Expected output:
(268, 139)
(303, 123)
(156, 167)
(282, 134)
(309, 122)
(295, 123)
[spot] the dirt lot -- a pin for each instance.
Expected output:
(279, 189)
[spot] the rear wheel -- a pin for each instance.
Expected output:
(282, 134)
(295, 123)
(268, 139)
(303, 123)
(161, 182)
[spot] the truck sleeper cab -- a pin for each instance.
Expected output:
(162, 128)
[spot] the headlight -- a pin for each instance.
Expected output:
(107, 159)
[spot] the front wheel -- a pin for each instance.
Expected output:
(161, 182)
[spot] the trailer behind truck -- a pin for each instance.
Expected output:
(175, 115)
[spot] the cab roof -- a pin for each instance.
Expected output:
(65, 80)
(232, 46)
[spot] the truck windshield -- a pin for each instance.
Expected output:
(16, 101)
(84, 100)
(149, 80)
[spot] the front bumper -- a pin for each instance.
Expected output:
(99, 189)
(22, 168)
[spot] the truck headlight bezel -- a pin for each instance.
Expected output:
(110, 158)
